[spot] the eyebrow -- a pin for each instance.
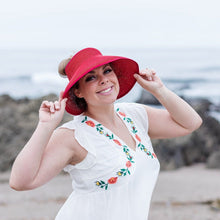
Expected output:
(92, 71)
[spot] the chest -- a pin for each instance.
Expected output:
(113, 164)
(121, 131)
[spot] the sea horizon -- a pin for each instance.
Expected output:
(190, 72)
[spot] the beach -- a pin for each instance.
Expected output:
(183, 194)
(185, 190)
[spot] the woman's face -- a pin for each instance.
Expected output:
(99, 86)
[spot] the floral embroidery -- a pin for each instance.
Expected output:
(154, 155)
(126, 150)
(100, 129)
(137, 137)
(143, 148)
(112, 180)
(122, 114)
(103, 184)
(123, 172)
(90, 123)
(128, 164)
(117, 142)
(134, 130)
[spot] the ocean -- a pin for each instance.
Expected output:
(193, 73)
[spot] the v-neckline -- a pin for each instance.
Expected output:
(116, 136)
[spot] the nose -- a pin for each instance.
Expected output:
(103, 80)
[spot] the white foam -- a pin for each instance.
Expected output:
(48, 78)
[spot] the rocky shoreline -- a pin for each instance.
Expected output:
(19, 117)
(202, 146)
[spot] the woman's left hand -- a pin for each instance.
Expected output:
(148, 80)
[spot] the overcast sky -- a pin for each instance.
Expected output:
(115, 23)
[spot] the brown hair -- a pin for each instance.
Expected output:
(62, 66)
(80, 102)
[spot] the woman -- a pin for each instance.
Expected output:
(106, 148)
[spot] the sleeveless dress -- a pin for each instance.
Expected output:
(113, 182)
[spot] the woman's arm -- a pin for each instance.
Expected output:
(178, 118)
(46, 153)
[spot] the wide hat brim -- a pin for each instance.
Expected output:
(123, 67)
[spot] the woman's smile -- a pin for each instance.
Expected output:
(106, 91)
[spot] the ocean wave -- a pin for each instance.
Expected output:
(35, 78)
(209, 69)
(48, 77)
(15, 78)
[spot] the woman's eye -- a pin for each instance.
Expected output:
(108, 70)
(90, 78)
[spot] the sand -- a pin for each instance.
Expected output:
(183, 194)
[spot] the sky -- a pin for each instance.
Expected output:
(26, 24)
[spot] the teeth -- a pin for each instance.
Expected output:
(107, 90)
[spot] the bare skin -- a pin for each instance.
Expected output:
(48, 151)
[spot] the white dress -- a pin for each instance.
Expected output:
(113, 182)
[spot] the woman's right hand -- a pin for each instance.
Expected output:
(52, 112)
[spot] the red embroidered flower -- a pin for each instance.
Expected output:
(122, 114)
(128, 164)
(137, 137)
(112, 180)
(90, 123)
(154, 155)
(117, 142)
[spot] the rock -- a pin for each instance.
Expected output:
(147, 98)
(18, 119)
(214, 160)
(201, 105)
(194, 148)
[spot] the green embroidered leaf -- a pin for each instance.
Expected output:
(85, 119)
(125, 149)
(129, 120)
(117, 109)
(134, 131)
(130, 159)
(106, 186)
(102, 182)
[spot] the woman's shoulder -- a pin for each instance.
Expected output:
(72, 124)
(66, 132)
(66, 137)
(68, 125)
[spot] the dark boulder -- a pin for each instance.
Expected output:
(194, 148)
(18, 119)
(147, 98)
(214, 160)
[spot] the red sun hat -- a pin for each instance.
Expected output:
(90, 58)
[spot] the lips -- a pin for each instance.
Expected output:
(105, 91)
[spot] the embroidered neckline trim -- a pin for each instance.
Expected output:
(101, 130)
